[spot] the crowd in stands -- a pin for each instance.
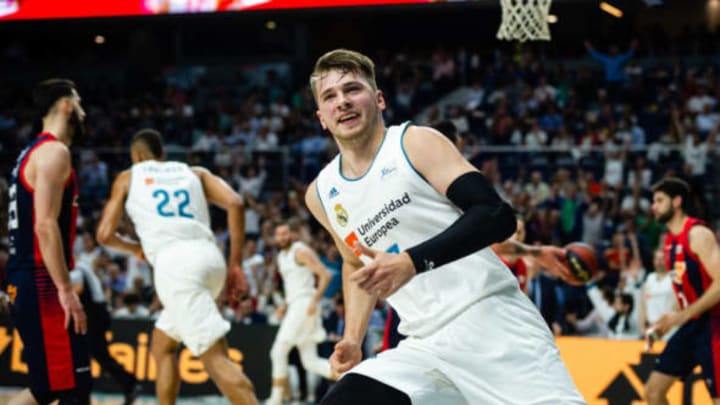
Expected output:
(574, 145)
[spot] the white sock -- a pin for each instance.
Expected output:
(313, 380)
(276, 395)
(294, 382)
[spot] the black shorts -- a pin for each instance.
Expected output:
(695, 343)
(58, 360)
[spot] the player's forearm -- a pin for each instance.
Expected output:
(323, 283)
(642, 317)
(236, 227)
(709, 299)
(120, 244)
(358, 307)
(482, 209)
(513, 247)
(53, 254)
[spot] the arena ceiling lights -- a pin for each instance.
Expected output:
(51, 9)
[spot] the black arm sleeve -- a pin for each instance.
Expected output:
(486, 219)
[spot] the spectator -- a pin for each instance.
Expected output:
(132, 308)
(94, 178)
(658, 295)
(252, 266)
(247, 315)
(613, 64)
(537, 189)
(90, 251)
(620, 317)
(640, 174)
(592, 224)
(254, 180)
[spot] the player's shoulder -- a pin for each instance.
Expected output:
(702, 239)
(200, 171)
(311, 193)
(52, 150)
(124, 176)
(121, 184)
(423, 132)
(420, 139)
(702, 230)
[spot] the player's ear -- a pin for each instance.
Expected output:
(322, 123)
(677, 201)
(65, 105)
(380, 99)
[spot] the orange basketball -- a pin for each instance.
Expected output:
(582, 261)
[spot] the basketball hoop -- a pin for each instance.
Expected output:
(524, 20)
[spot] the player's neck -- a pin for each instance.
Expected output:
(58, 127)
(677, 222)
(358, 156)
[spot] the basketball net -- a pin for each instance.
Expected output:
(524, 20)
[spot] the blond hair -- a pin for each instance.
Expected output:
(346, 61)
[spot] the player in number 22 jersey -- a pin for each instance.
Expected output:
(167, 202)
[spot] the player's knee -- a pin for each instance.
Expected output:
(163, 347)
(308, 357)
(229, 377)
(654, 393)
(243, 383)
(279, 351)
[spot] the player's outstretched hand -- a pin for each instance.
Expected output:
(347, 355)
(72, 308)
(549, 259)
(385, 274)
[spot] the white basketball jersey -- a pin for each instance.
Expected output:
(659, 296)
(166, 202)
(392, 208)
(298, 280)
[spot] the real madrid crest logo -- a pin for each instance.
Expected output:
(341, 215)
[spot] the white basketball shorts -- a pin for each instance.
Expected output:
(297, 327)
(498, 351)
(189, 275)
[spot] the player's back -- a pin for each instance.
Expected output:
(167, 203)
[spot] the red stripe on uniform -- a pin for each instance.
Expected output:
(58, 352)
(386, 332)
(715, 348)
(37, 254)
(21, 175)
(73, 217)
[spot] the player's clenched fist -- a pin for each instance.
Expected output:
(236, 284)
(347, 354)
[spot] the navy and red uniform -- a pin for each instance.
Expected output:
(697, 341)
(519, 270)
(57, 358)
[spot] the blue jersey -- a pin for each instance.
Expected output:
(24, 248)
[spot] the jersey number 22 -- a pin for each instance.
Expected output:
(183, 198)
